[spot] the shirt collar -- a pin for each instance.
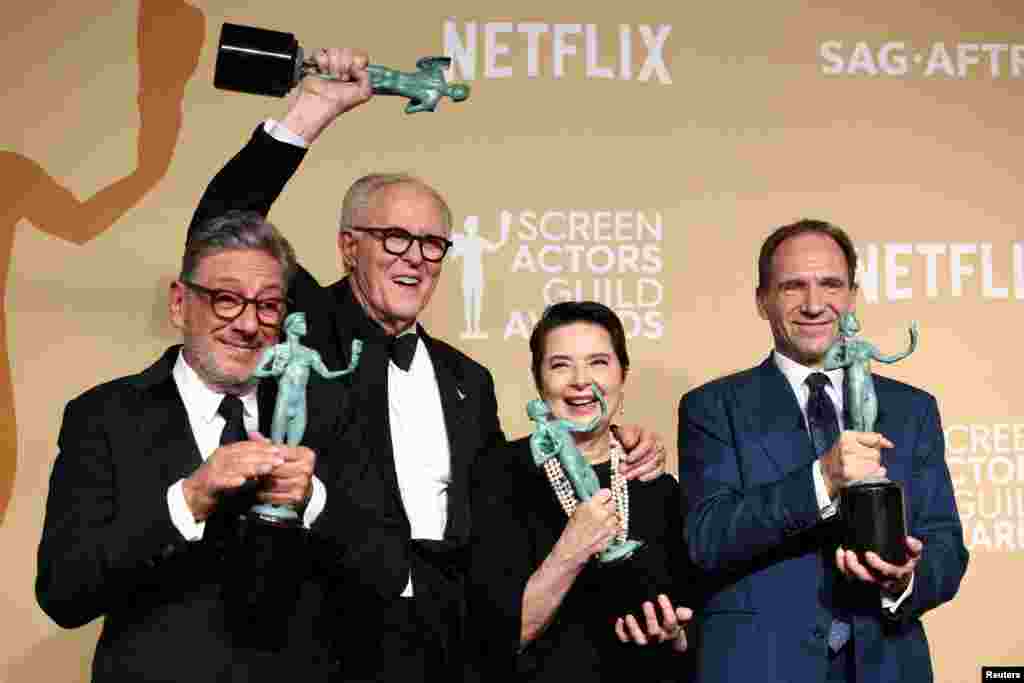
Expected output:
(200, 399)
(797, 374)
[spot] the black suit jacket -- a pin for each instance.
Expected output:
(109, 547)
(373, 530)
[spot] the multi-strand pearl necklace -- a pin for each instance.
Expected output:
(620, 491)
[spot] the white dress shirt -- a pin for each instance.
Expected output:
(797, 374)
(201, 405)
(419, 439)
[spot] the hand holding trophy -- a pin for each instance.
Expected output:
(572, 477)
(872, 509)
(267, 554)
(263, 62)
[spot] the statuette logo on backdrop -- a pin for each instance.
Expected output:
(603, 255)
(470, 247)
(551, 49)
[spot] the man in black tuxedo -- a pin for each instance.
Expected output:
(153, 469)
(421, 411)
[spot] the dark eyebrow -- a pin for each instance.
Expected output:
(832, 280)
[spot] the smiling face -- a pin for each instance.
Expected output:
(808, 290)
(393, 290)
(574, 356)
(224, 354)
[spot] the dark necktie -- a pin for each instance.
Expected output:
(821, 414)
(824, 426)
(234, 426)
(402, 349)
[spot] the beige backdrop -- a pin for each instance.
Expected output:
(636, 154)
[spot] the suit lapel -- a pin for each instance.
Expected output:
(453, 397)
(776, 416)
(375, 436)
(453, 404)
(162, 422)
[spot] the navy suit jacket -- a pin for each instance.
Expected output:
(754, 528)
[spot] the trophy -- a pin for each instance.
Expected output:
(873, 510)
(571, 475)
(267, 551)
(264, 62)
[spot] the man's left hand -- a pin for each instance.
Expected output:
(892, 579)
(645, 452)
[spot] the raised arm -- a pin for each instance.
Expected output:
(898, 356)
(267, 359)
(254, 178)
(317, 363)
(836, 357)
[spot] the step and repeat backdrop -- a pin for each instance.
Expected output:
(634, 154)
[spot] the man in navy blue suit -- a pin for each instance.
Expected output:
(763, 458)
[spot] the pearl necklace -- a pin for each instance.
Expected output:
(620, 490)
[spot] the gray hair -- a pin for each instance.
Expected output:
(357, 199)
(237, 230)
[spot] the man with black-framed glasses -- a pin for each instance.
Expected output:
(229, 306)
(142, 520)
(422, 411)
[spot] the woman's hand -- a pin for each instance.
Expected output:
(590, 529)
(662, 624)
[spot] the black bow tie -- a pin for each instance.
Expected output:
(402, 349)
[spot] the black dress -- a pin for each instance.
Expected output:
(516, 521)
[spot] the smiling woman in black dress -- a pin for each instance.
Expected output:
(540, 607)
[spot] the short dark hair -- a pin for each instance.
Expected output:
(567, 313)
(237, 230)
(801, 227)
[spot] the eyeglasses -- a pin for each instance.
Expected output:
(228, 306)
(397, 241)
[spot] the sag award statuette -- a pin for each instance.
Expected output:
(572, 476)
(263, 62)
(291, 362)
(872, 510)
(267, 556)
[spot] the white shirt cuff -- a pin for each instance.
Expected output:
(826, 507)
(893, 605)
(181, 516)
(192, 530)
(277, 131)
(317, 503)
